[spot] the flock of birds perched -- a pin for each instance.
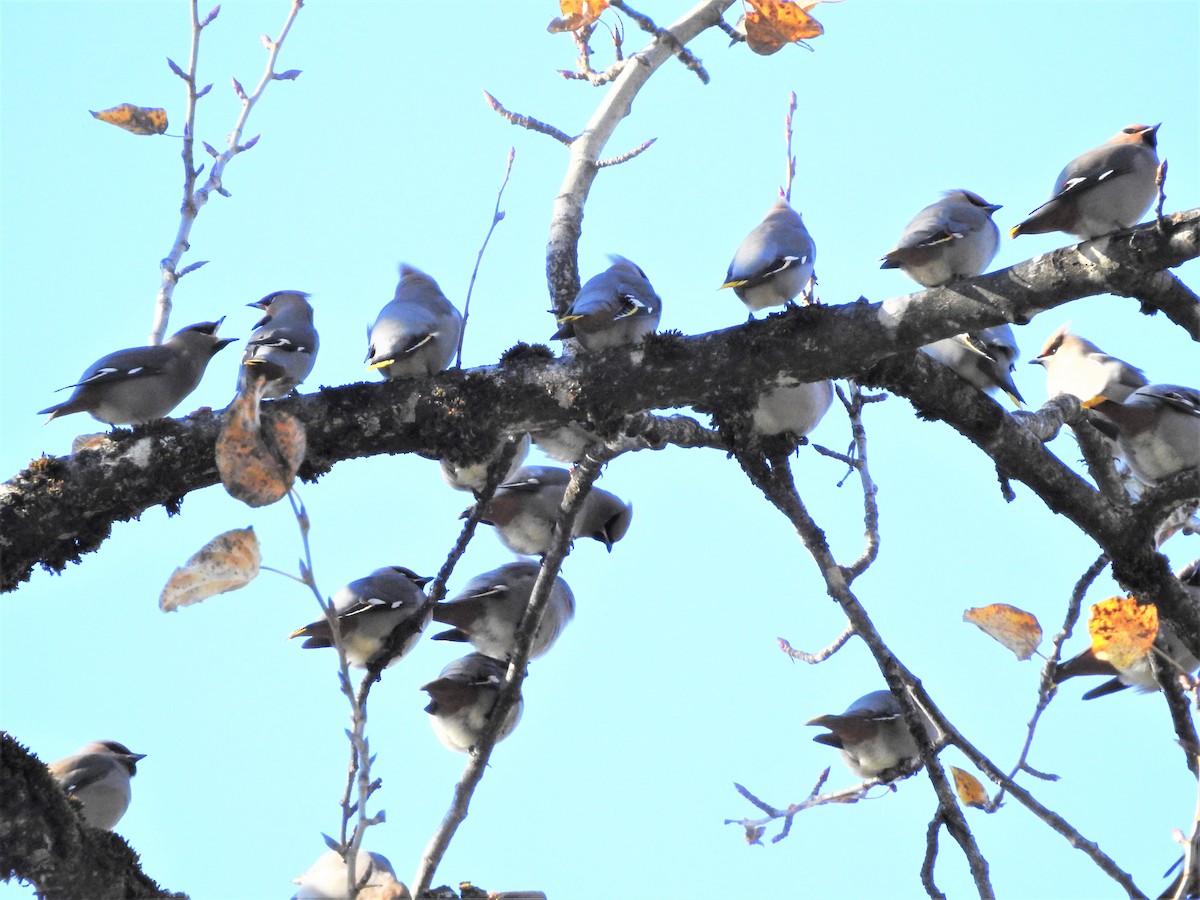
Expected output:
(1154, 430)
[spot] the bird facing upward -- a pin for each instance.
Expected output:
(141, 384)
(1107, 189)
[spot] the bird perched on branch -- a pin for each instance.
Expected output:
(872, 735)
(774, 263)
(326, 878)
(952, 238)
(473, 476)
(1076, 366)
(1140, 675)
(1158, 429)
(462, 698)
(369, 610)
(1107, 189)
(615, 308)
(984, 358)
(417, 333)
(524, 510)
(489, 608)
(283, 347)
(143, 383)
(98, 777)
(791, 407)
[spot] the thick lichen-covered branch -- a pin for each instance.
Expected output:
(45, 842)
(63, 507)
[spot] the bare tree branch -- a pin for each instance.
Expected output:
(194, 199)
(582, 479)
(566, 222)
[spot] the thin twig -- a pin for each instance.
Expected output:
(1189, 877)
(527, 122)
(627, 155)
(854, 407)
(931, 850)
(358, 773)
(1047, 685)
(194, 199)
(786, 190)
(821, 655)
(1056, 822)
(497, 218)
(645, 23)
(1160, 181)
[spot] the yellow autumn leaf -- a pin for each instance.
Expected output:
(969, 789)
(771, 24)
(1122, 630)
(577, 14)
(227, 562)
(1016, 629)
(134, 119)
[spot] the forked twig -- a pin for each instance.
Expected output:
(194, 199)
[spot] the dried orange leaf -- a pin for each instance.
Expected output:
(773, 23)
(257, 457)
(1122, 630)
(134, 119)
(577, 14)
(1016, 629)
(970, 791)
(227, 562)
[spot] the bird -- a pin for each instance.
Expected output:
(1140, 675)
(872, 735)
(473, 476)
(369, 610)
(952, 238)
(791, 406)
(326, 878)
(1158, 429)
(1107, 189)
(140, 384)
(616, 308)
(566, 443)
(98, 775)
(984, 358)
(775, 261)
(462, 698)
(487, 611)
(417, 333)
(284, 344)
(524, 510)
(1076, 366)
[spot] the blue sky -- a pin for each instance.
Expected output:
(668, 687)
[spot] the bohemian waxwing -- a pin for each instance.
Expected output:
(775, 261)
(143, 383)
(1104, 190)
(417, 332)
(283, 346)
(953, 238)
